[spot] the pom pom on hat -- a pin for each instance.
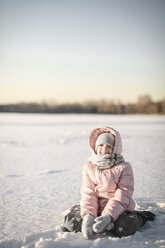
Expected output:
(105, 138)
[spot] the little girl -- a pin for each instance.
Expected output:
(106, 195)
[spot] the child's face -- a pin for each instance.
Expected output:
(104, 149)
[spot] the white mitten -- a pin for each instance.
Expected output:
(86, 228)
(103, 222)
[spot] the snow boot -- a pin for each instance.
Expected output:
(73, 220)
(146, 216)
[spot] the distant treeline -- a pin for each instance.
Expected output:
(144, 105)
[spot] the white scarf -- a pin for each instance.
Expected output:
(105, 161)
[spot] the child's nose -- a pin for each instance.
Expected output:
(104, 147)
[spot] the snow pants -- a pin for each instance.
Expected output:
(126, 224)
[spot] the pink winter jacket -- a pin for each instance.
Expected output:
(107, 190)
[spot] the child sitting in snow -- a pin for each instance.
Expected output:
(106, 195)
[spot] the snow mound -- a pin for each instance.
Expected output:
(152, 234)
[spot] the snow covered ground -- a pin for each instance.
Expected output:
(41, 161)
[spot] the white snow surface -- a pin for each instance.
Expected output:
(41, 161)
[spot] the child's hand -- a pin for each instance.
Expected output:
(103, 222)
(87, 224)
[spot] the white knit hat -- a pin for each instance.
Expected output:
(105, 138)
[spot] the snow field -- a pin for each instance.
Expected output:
(41, 161)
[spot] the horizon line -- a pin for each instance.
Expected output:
(57, 102)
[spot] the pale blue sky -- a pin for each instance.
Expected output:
(72, 50)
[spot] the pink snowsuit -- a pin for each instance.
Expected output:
(107, 190)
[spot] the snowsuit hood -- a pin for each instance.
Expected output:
(97, 131)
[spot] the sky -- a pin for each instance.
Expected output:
(79, 50)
